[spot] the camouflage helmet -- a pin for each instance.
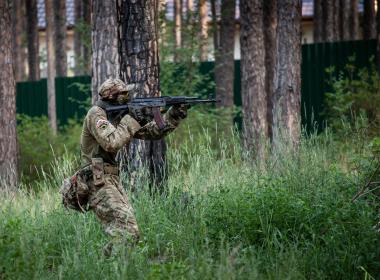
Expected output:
(111, 88)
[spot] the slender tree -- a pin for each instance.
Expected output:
(253, 76)
(224, 55)
(87, 39)
(215, 29)
(318, 21)
(105, 56)
(328, 18)
(287, 91)
(51, 70)
(354, 20)
(203, 30)
(78, 46)
(18, 37)
(378, 36)
(139, 64)
(345, 20)
(59, 8)
(177, 27)
(369, 20)
(8, 140)
(32, 37)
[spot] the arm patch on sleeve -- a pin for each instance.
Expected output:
(101, 123)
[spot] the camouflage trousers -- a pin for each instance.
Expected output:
(112, 207)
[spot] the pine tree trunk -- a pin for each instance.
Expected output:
(139, 63)
(253, 74)
(337, 15)
(18, 34)
(318, 21)
(369, 22)
(270, 35)
(215, 29)
(345, 19)
(51, 71)
(203, 30)
(87, 42)
(8, 136)
(105, 56)
(354, 20)
(378, 37)
(224, 56)
(287, 94)
(328, 15)
(32, 37)
(177, 27)
(78, 47)
(59, 7)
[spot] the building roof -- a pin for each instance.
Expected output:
(307, 11)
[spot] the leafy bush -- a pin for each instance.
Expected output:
(354, 98)
(39, 146)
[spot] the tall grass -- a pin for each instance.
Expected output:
(221, 218)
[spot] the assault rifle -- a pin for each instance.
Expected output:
(154, 103)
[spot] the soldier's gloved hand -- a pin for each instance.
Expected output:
(179, 112)
(141, 115)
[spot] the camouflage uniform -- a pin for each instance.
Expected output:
(102, 139)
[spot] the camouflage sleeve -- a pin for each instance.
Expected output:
(151, 131)
(111, 138)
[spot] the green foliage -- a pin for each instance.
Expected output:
(355, 97)
(38, 146)
(221, 218)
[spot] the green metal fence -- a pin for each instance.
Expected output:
(70, 94)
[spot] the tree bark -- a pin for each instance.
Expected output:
(287, 94)
(270, 36)
(378, 37)
(328, 26)
(105, 56)
(51, 70)
(177, 27)
(32, 37)
(345, 20)
(203, 30)
(87, 40)
(78, 46)
(18, 34)
(224, 55)
(59, 7)
(354, 20)
(337, 15)
(139, 64)
(215, 29)
(253, 76)
(318, 21)
(8, 136)
(369, 21)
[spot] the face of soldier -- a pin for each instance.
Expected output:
(123, 97)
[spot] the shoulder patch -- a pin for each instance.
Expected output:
(101, 123)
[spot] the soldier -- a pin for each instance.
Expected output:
(96, 186)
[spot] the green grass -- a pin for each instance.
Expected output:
(222, 218)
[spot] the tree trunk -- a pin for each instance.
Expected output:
(270, 35)
(224, 55)
(345, 20)
(369, 22)
(139, 64)
(87, 40)
(203, 30)
(354, 20)
(18, 33)
(253, 75)
(8, 136)
(287, 94)
(378, 37)
(51, 71)
(78, 46)
(32, 37)
(215, 29)
(177, 27)
(318, 21)
(337, 16)
(59, 7)
(328, 26)
(105, 56)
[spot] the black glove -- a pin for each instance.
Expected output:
(142, 115)
(179, 111)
